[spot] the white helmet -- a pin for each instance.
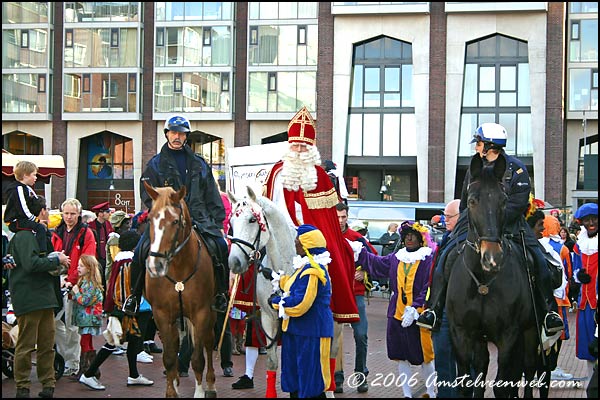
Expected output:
(490, 132)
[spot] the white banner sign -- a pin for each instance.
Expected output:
(250, 165)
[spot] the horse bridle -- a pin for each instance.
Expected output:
(256, 257)
(172, 252)
(482, 288)
(175, 248)
(476, 245)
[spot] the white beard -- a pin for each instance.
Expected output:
(299, 170)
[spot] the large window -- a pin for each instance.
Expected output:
(382, 116)
(282, 91)
(90, 11)
(193, 56)
(194, 11)
(25, 48)
(283, 45)
(109, 159)
(587, 166)
(192, 92)
(26, 12)
(24, 93)
(193, 46)
(282, 10)
(100, 92)
(22, 143)
(583, 89)
(101, 47)
(282, 57)
(496, 89)
(583, 45)
(212, 149)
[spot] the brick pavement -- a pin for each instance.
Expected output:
(382, 371)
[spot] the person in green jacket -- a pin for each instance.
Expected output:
(32, 290)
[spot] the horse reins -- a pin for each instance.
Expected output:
(482, 288)
(174, 247)
(256, 257)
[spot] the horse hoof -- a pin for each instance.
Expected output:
(210, 394)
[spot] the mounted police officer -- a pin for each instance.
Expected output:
(490, 139)
(177, 165)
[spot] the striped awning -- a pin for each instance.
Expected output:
(47, 164)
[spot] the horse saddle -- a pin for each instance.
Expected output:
(553, 266)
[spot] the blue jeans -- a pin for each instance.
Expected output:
(360, 337)
(445, 361)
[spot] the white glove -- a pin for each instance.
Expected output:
(356, 248)
(276, 277)
(282, 313)
(410, 315)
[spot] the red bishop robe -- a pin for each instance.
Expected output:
(318, 209)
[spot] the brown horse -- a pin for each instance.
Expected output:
(180, 286)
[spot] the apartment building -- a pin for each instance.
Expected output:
(396, 88)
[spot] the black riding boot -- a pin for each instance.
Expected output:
(221, 272)
(552, 322)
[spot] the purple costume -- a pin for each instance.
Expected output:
(408, 273)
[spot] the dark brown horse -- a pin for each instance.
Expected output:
(180, 286)
(489, 297)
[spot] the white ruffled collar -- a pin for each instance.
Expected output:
(412, 256)
(324, 259)
(124, 255)
(586, 244)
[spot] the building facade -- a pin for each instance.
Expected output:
(397, 89)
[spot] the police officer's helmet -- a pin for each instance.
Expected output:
(491, 133)
(177, 123)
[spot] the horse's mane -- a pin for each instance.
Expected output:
(164, 197)
(282, 234)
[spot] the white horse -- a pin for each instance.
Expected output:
(258, 223)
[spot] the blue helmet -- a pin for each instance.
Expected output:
(492, 133)
(177, 123)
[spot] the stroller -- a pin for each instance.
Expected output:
(9, 342)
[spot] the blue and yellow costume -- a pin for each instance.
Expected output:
(307, 318)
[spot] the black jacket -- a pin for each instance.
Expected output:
(518, 186)
(203, 198)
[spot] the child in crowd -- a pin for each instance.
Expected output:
(87, 310)
(118, 289)
(20, 196)
(307, 318)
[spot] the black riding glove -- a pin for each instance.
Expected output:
(267, 273)
(583, 276)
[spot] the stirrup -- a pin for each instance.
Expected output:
(424, 320)
(130, 307)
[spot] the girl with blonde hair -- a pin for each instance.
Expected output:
(87, 309)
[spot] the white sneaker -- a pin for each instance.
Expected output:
(147, 354)
(144, 357)
(559, 374)
(70, 371)
(139, 381)
(91, 382)
(119, 351)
